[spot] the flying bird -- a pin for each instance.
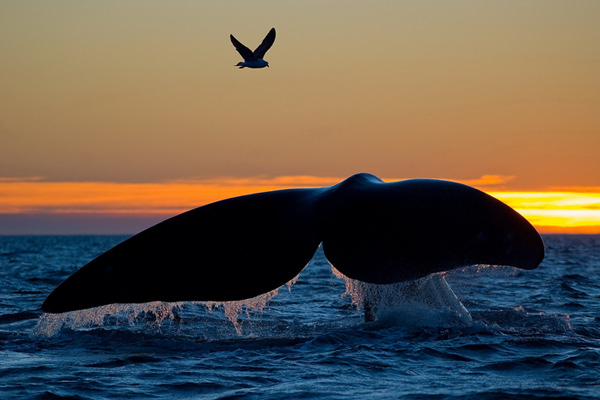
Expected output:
(254, 59)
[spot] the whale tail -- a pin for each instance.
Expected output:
(245, 246)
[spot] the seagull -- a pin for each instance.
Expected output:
(254, 59)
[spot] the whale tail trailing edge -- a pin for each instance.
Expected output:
(245, 246)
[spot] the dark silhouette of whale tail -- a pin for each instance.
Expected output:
(245, 246)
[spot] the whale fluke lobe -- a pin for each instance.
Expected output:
(391, 232)
(245, 246)
(230, 250)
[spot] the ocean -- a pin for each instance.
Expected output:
(499, 333)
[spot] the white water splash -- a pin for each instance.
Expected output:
(110, 315)
(426, 301)
(233, 309)
(149, 314)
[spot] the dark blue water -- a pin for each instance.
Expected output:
(526, 334)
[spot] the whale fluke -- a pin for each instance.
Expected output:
(392, 232)
(245, 246)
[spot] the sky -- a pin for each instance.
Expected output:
(117, 114)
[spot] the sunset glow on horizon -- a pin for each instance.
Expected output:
(550, 212)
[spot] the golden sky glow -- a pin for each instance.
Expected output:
(143, 92)
(555, 212)
(550, 212)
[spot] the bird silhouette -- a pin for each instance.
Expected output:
(254, 59)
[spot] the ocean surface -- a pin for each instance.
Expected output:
(505, 334)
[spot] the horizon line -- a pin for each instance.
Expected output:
(572, 209)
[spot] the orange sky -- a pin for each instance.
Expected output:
(556, 211)
(104, 102)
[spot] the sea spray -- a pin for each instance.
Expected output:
(150, 315)
(233, 309)
(426, 301)
(111, 315)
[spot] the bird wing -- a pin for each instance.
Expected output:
(245, 52)
(265, 45)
